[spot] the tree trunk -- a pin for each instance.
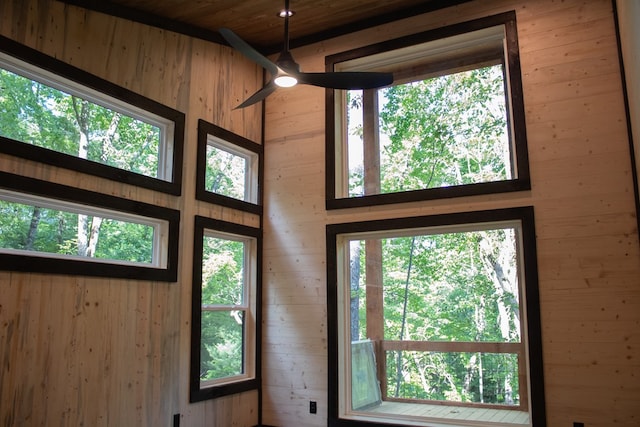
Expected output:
(404, 318)
(355, 292)
(92, 242)
(80, 108)
(33, 228)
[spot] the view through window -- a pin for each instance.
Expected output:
(57, 229)
(52, 228)
(451, 124)
(437, 132)
(224, 319)
(223, 307)
(50, 111)
(228, 168)
(443, 307)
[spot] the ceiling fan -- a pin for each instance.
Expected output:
(285, 72)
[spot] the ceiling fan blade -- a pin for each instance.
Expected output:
(347, 79)
(259, 95)
(237, 43)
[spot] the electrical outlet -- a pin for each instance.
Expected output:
(313, 407)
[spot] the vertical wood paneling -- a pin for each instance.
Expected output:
(582, 193)
(112, 352)
(105, 352)
(628, 14)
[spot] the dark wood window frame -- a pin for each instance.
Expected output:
(515, 108)
(54, 158)
(204, 129)
(196, 392)
(531, 298)
(51, 265)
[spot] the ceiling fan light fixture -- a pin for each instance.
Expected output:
(285, 80)
(286, 71)
(286, 13)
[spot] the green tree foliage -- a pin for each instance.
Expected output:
(225, 173)
(33, 228)
(221, 352)
(447, 287)
(444, 131)
(449, 130)
(35, 113)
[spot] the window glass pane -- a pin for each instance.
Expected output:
(222, 271)
(490, 378)
(228, 169)
(222, 342)
(439, 132)
(440, 287)
(226, 290)
(226, 173)
(38, 114)
(33, 228)
(410, 291)
(429, 315)
(451, 125)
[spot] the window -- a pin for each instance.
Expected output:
(54, 113)
(448, 306)
(228, 169)
(84, 233)
(225, 312)
(452, 123)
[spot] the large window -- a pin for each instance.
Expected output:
(51, 228)
(228, 169)
(225, 312)
(452, 123)
(435, 320)
(54, 113)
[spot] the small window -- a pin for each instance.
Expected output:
(225, 314)
(228, 169)
(53, 113)
(85, 233)
(447, 307)
(452, 123)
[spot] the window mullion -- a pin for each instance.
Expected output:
(373, 248)
(213, 307)
(371, 141)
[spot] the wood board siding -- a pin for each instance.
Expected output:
(107, 352)
(115, 352)
(582, 193)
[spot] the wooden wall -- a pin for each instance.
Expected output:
(98, 352)
(629, 24)
(582, 192)
(77, 350)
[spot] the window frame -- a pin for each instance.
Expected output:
(236, 145)
(116, 98)
(530, 301)
(59, 195)
(334, 159)
(251, 350)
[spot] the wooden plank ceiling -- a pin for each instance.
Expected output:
(256, 21)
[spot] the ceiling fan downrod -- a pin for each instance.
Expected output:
(285, 60)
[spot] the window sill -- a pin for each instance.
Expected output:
(420, 414)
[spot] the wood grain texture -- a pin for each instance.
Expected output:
(105, 352)
(582, 193)
(113, 352)
(257, 20)
(628, 13)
